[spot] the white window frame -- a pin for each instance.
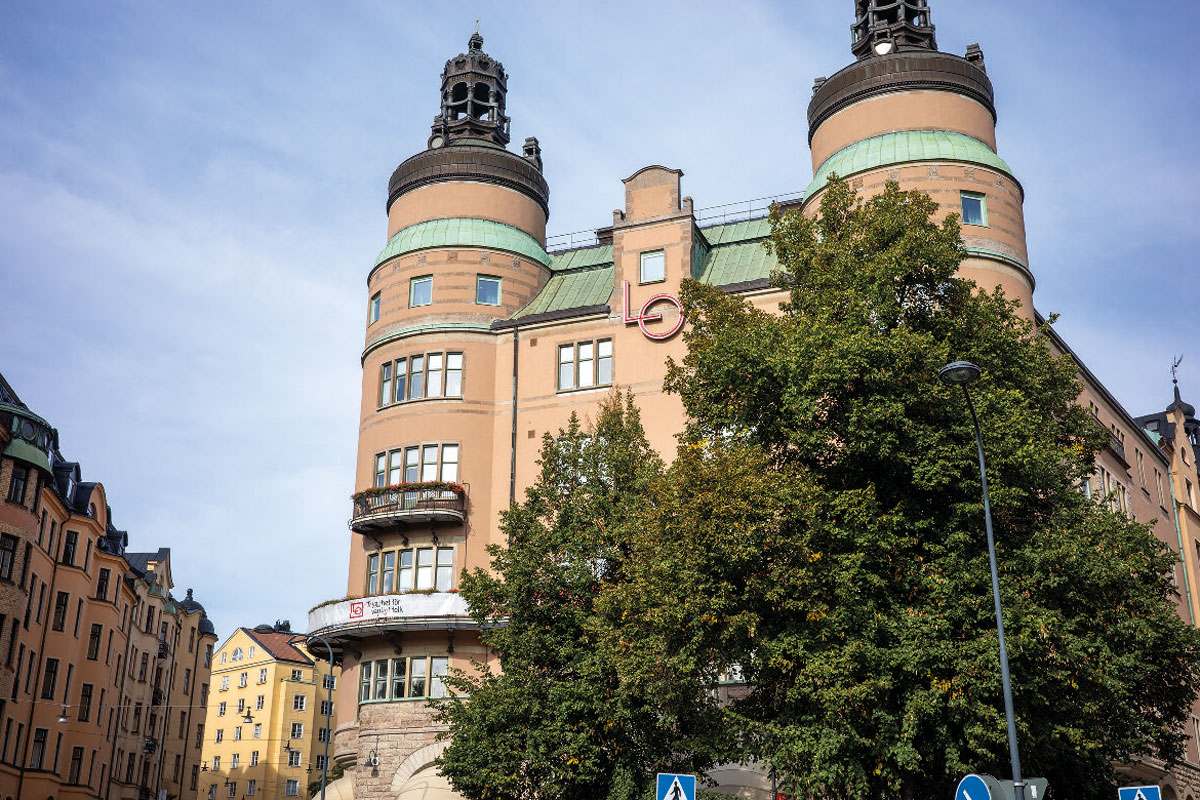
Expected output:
(421, 281)
(657, 259)
(964, 196)
(588, 364)
(497, 281)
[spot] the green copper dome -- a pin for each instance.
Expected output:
(462, 232)
(906, 147)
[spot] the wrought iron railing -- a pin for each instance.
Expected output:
(401, 502)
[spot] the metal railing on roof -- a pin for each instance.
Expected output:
(708, 216)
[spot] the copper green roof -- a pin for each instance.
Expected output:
(905, 147)
(737, 263)
(576, 289)
(737, 231)
(22, 450)
(463, 232)
(584, 257)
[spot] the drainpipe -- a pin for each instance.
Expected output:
(512, 462)
(1187, 585)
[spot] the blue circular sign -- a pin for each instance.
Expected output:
(972, 787)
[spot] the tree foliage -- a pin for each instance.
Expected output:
(556, 721)
(822, 530)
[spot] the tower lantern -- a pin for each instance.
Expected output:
(473, 90)
(886, 26)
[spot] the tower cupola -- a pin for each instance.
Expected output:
(473, 89)
(882, 27)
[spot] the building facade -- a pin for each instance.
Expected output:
(266, 734)
(102, 670)
(480, 338)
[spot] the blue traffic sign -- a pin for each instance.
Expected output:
(1139, 793)
(973, 787)
(679, 787)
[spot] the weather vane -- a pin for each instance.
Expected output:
(1175, 370)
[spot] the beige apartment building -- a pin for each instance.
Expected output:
(266, 734)
(482, 335)
(103, 671)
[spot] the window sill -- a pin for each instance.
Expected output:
(651, 283)
(416, 400)
(583, 389)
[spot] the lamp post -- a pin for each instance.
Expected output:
(964, 373)
(329, 710)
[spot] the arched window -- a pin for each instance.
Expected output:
(238, 655)
(457, 105)
(481, 105)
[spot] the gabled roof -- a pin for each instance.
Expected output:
(279, 645)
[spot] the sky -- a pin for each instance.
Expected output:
(192, 194)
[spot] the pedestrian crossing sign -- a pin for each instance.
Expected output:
(682, 787)
(1139, 793)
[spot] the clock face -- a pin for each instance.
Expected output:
(436, 142)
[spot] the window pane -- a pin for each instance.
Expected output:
(421, 292)
(566, 366)
(435, 375)
(449, 462)
(445, 569)
(373, 311)
(416, 383)
(401, 379)
(417, 684)
(429, 465)
(381, 679)
(365, 689)
(385, 385)
(372, 574)
(653, 267)
(389, 572)
(405, 581)
(380, 475)
(587, 376)
(394, 472)
(454, 363)
(487, 291)
(410, 465)
(972, 209)
(424, 568)
(438, 667)
(604, 361)
(398, 675)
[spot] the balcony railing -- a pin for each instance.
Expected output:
(407, 506)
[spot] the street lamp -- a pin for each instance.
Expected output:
(964, 373)
(328, 710)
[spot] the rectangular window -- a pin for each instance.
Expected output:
(299, 702)
(429, 462)
(8, 555)
(373, 309)
(262, 677)
(326, 708)
(38, 751)
(416, 686)
(399, 677)
(395, 467)
(405, 570)
(388, 574)
(653, 267)
(61, 599)
(257, 732)
(243, 679)
(220, 736)
(237, 735)
(254, 758)
(297, 730)
(297, 675)
(411, 466)
(187, 681)
(385, 384)
(420, 291)
(93, 646)
(424, 568)
(322, 734)
(364, 690)
(194, 780)
(292, 787)
(372, 573)
(416, 378)
(487, 290)
(404, 581)
(17, 484)
(224, 683)
(102, 584)
(251, 787)
(258, 701)
(438, 667)
(85, 702)
(380, 470)
(294, 759)
(320, 763)
(585, 364)
(454, 367)
(49, 678)
(381, 680)
(221, 708)
(401, 392)
(974, 209)
(70, 542)
(433, 376)
(328, 682)
(216, 762)
(445, 569)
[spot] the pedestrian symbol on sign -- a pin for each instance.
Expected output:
(676, 787)
(1139, 793)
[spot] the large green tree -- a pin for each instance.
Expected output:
(822, 530)
(555, 721)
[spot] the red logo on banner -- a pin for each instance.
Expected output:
(356, 610)
(645, 315)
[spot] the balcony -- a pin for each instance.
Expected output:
(162, 649)
(348, 621)
(377, 509)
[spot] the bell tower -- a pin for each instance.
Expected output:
(907, 112)
(886, 26)
(473, 90)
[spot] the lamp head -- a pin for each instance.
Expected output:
(960, 373)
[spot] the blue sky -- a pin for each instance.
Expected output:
(192, 194)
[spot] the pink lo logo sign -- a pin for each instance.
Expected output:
(645, 315)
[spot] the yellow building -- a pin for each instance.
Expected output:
(267, 711)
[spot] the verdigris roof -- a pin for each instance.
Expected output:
(903, 147)
(464, 232)
(722, 255)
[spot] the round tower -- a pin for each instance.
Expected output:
(907, 112)
(466, 235)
